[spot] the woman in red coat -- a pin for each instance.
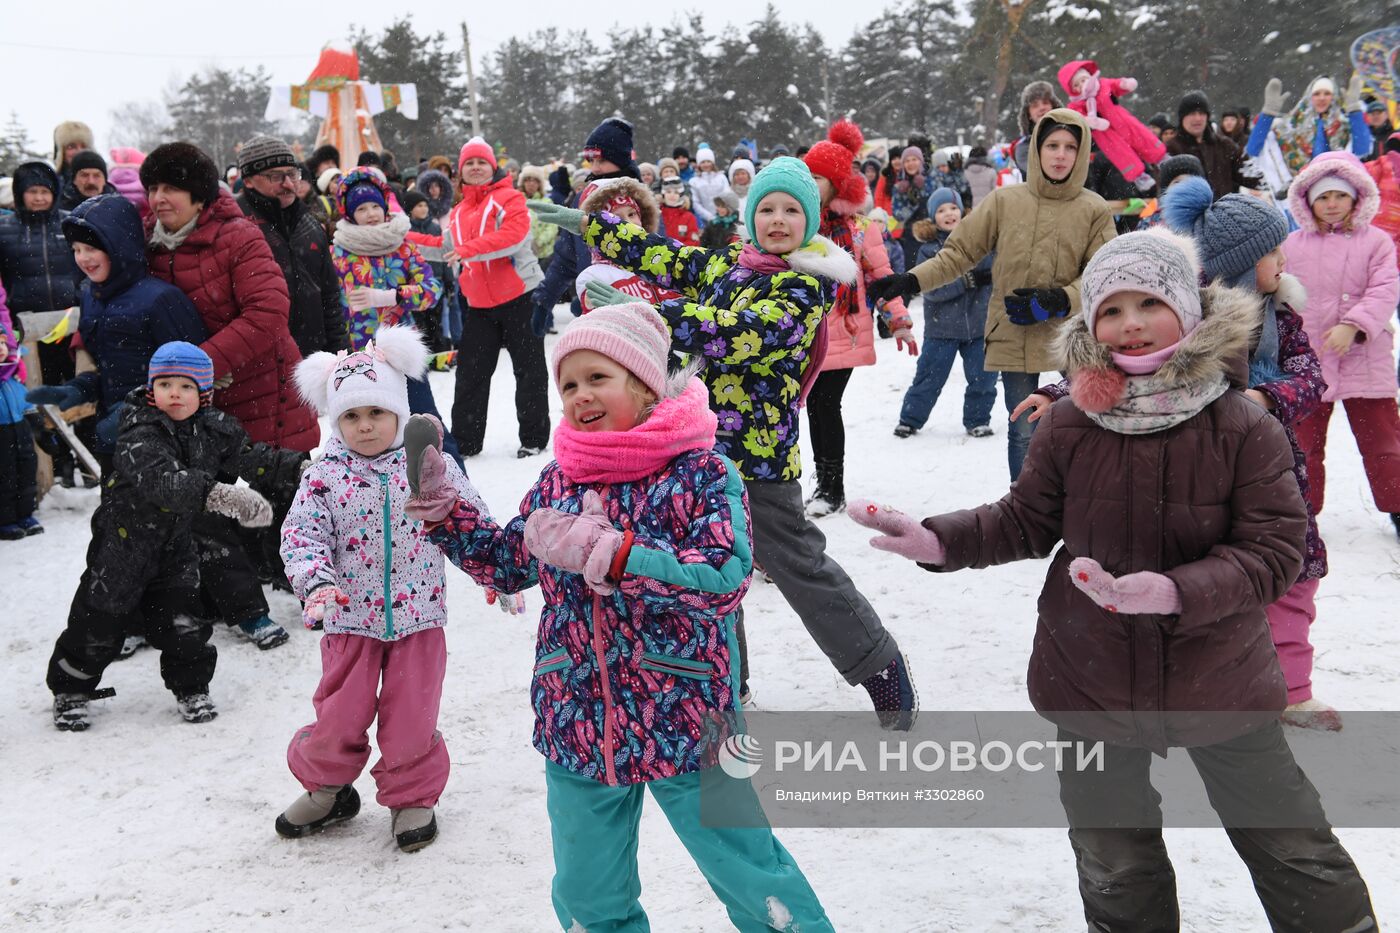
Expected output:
(199, 241)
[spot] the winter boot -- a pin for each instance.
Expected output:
(31, 526)
(1312, 714)
(314, 811)
(892, 691)
(980, 430)
(70, 710)
(830, 493)
(524, 452)
(414, 828)
(263, 632)
(130, 645)
(1395, 520)
(11, 532)
(905, 430)
(196, 707)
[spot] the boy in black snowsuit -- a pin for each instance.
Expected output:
(173, 451)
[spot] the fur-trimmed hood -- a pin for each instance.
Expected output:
(1347, 167)
(539, 174)
(439, 206)
(1231, 319)
(604, 191)
(823, 257)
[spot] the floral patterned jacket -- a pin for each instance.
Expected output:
(754, 329)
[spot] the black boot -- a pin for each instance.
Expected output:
(1395, 520)
(830, 493)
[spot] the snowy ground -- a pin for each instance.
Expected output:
(147, 822)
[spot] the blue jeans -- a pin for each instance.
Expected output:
(931, 374)
(1016, 386)
(420, 402)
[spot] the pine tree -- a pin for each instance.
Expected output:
(219, 109)
(399, 55)
(15, 147)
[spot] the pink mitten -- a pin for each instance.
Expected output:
(432, 494)
(1128, 84)
(322, 605)
(585, 543)
(1132, 593)
(902, 535)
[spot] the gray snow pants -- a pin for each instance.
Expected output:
(1305, 880)
(793, 551)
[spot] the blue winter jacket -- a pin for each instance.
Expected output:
(127, 317)
(36, 263)
(955, 311)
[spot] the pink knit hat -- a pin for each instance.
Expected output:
(476, 148)
(632, 335)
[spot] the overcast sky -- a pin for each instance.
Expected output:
(89, 57)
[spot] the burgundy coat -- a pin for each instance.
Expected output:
(226, 268)
(1211, 502)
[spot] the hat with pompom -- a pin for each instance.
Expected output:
(375, 376)
(1233, 233)
(633, 335)
(833, 159)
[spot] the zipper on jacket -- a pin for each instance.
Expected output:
(388, 559)
(600, 654)
(44, 246)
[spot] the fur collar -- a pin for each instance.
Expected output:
(823, 257)
(1230, 318)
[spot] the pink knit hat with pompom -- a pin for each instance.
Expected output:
(632, 335)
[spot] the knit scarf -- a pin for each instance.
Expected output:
(677, 425)
(171, 241)
(1150, 403)
(375, 240)
(837, 228)
(1263, 362)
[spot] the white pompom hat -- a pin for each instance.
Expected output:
(374, 376)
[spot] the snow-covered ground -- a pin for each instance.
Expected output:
(147, 822)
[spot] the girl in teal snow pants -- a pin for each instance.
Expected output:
(638, 536)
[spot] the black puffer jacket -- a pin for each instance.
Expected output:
(161, 475)
(36, 262)
(72, 197)
(298, 243)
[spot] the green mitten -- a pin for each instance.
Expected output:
(601, 295)
(547, 212)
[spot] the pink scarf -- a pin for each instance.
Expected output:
(756, 260)
(677, 425)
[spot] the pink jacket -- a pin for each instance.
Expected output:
(1351, 278)
(851, 339)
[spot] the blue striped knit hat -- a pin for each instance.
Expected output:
(178, 358)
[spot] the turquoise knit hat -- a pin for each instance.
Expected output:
(790, 176)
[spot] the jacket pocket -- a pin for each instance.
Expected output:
(678, 667)
(553, 662)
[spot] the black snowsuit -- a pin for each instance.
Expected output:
(142, 572)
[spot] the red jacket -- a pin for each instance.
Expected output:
(226, 268)
(491, 235)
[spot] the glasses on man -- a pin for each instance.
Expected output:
(282, 176)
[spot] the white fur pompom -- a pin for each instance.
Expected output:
(312, 376)
(403, 348)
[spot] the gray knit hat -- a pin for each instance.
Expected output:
(1156, 261)
(1233, 233)
(262, 153)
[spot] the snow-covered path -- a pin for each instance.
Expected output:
(145, 822)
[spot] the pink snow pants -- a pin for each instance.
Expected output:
(1289, 621)
(1127, 144)
(1375, 423)
(413, 764)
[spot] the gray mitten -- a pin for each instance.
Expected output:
(1351, 97)
(239, 503)
(1275, 101)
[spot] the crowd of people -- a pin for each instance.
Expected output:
(1158, 299)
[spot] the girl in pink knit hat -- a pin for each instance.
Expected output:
(638, 536)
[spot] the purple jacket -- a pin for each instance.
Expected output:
(1350, 275)
(10, 367)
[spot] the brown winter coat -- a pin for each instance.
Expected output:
(1225, 163)
(1044, 236)
(226, 268)
(1212, 503)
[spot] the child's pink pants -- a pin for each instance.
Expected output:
(1289, 621)
(413, 765)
